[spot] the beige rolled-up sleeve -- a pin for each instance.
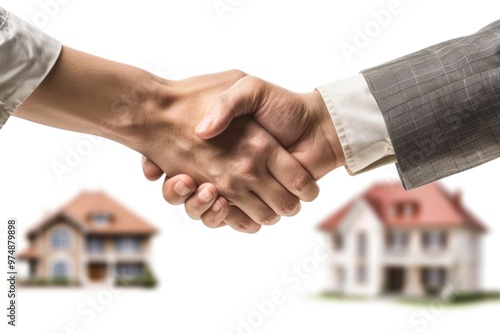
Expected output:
(27, 55)
(359, 124)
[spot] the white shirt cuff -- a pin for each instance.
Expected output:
(27, 56)
(359, 124)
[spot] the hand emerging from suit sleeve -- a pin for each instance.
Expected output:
(299, 122)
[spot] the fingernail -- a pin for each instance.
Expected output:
(205, 195)
(204, 124)
(181, 189)
(216, 207)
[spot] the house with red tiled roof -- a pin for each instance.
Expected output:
(415, 243)
(91, 239)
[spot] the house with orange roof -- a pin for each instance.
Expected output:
(91, 239)
(414, 243)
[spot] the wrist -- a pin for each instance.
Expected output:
(332, 147)
(134, 112)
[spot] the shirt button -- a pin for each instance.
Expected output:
(390, 150)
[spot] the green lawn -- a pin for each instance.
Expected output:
(454, 300)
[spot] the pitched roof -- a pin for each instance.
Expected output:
(431, 205)
(79, 210)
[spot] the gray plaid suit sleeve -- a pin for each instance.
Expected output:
(441, 106)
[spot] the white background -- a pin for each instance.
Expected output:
(209, 278)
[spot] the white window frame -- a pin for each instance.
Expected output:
(129, 245)
(100, 218)
(95, 245)
(435, 241)
(434, 278)
(362, 274)
(128, 270)
(338, 241)
(362, 244)
(56, 266)
(341, 276)
(399, 245)
(60, 239)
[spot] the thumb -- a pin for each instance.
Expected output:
(151, 171)
(243, 98)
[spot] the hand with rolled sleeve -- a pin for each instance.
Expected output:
(43, 82)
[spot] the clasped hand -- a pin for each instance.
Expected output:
(254, 149)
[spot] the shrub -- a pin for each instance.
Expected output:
(146, 280)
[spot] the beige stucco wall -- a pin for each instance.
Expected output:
(48, 255)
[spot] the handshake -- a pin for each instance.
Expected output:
(240, 151)
(237, 150)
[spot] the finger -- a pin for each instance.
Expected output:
(151, 171)
(277, 197)
(177, 189)
(239, 221)
(290, 173)
(240, 99)
(256, 209)
(202, 200)
(214, 217)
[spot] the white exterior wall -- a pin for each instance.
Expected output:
(461, 258)
(360, 219)
(468, 250)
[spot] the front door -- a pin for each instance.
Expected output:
(97, 272)
(394, 279)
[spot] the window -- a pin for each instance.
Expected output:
(129, 270)
(393, 211)
(95, 245)
(100, 218)
(60, 269)
(127, 245)
(397, 241)
(338, 241)
(403, 210)
(409, 210)
(434, 277)
(60, 239)
(362, 244)
(341, 276)
(361, 274)
(434, 240)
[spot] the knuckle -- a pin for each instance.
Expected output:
(170, 197)
(245, 168)
(254, 81)
(247, 227)
(260, 144)
(237, 73)
(290, 207)
(243, 225)
(193, 216)
(192, 212)
(302, 182)
(210, 221)
(269, 219)
(222, 100)
(226, 184)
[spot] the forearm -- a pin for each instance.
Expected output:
(440, 106)
(92, 95)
